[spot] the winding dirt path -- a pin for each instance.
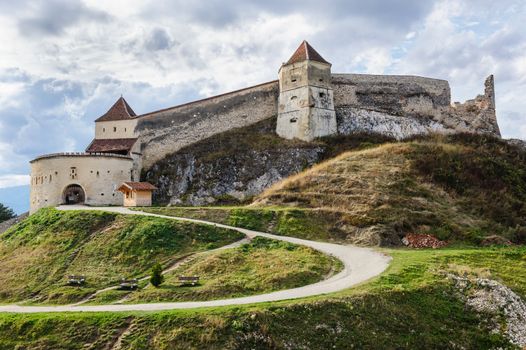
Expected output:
(360, 264)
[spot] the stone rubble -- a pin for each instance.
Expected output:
(491, 297)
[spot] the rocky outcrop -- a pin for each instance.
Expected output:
(507, 309)
(230, 167)
(518, 143)
(189, 178)
(4, 226)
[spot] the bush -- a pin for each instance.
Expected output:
(157, 277)
(6, 213)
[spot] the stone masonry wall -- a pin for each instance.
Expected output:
(399, 106)
(403, 106)
(164, 132)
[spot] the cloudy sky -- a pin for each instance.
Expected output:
(64, 62)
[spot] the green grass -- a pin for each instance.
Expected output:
(461, 188)
(309, 224)
(410, 306)
(263, 265)
(37, 254)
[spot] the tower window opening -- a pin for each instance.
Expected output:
(114, 129)
(322, 94)
(293, 120)
(73, 173)
(103, 129)
(293, 97)
(293, 80)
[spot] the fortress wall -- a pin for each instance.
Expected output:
(392, 94)
(166, 131)
(403, 106)
(98, 175)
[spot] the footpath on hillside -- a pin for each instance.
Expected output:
(360, 264)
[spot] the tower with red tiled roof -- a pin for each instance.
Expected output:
(115, 134)
(306, 103)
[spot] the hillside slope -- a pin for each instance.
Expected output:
(37, 254)
(462, 187)
(236, 165)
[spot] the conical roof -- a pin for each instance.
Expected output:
(121, 110)
(306, 52)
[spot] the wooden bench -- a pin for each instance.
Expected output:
(75, 280)
(193, 280)
(129, 284)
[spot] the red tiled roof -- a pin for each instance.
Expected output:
(111, 145)
(138, 186)
(306, 52)
(121, 110)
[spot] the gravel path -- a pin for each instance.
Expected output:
(360, 264)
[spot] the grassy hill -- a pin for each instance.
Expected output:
(461, 188)
(37, 254)
(263, 265)
(413, 305)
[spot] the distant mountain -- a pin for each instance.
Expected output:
(16, 198)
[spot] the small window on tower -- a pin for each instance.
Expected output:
(103, 129)
(293, 120)
(114, 129)
(322, 94)
(293, 98)
(293, 80)
(73, 173)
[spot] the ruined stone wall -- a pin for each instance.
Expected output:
(165, 132)
(402, 106)
(399, 106)
(391, 94)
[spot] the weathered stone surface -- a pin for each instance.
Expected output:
(493, 298)
(230, 167)
(517, 142)
(399, 106)
(352, 120)
(391, 94)
(8, 223)
(188, 178)
(167, 131)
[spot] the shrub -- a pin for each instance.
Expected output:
(6, 213)
(157, 277)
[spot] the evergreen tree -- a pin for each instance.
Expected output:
(6, 213)
(157, 275)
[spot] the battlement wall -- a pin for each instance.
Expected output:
(395, 105)
(166, 131)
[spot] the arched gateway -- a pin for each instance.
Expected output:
(74, 194)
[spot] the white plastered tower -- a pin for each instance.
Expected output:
(306, 102)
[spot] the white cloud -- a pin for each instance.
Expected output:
(161, 53)
(12, 180)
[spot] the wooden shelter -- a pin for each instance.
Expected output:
(137, 194)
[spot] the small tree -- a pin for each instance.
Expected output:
(6, 213)
(157, 275)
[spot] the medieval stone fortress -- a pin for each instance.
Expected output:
(308, 100)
